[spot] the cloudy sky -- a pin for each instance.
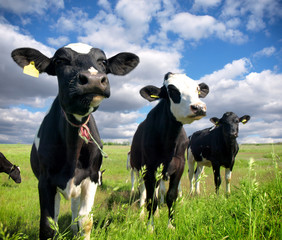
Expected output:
(234, 46)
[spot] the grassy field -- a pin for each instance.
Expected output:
(252, 211)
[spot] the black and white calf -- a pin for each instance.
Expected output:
(12, 170)
(66, 155)
(155, 138)
(214, 147)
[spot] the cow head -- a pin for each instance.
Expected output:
(15, 174)
(230, 124)
(81, 71)
(183, 94)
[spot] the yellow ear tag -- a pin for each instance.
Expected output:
(31, 70)
(154, 96)
(244, 121)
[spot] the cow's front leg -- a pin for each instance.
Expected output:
(191, 165)
(227, 179)
(74, 209)
(47, 193)
(151, 200)
(172, 195)
(217, 178)
(198, 174)
(88, 191)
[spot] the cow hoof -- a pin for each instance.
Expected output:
(170, 226)
(150, 228)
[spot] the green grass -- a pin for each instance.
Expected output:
(252, 211)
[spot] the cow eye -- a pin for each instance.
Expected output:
(62, 61)
(102, 63)
(174, 93)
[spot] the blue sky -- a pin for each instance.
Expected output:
(235, 46)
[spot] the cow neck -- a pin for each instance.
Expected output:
(84, 133)
(171, 127)
(6, 166)
(229, 143)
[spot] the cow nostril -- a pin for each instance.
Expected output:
(198, 109)
(104, 81)
(83, 79)
(194, 108)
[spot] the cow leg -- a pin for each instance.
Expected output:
(150, 184)
(191, 165)
(88, 191)
(142, 190)
(74, 209)
(227, 179)
(172, 196)
(217, 178)
(179, 189)
(57, 206)
(132, 180)
(161, 191)
(199, 171)
(47, 194)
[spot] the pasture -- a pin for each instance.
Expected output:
(252, 211)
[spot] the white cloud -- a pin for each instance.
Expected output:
(266, 52)
(137, 15)
(71, 21)
(256, 12)
(105, 4)
(203, 27)
(16, 87)
(18, 125)
(58, 42)
(30, 6)
(205, 4)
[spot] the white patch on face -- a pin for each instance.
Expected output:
(93, 71)
(188, 89)
(79, 47)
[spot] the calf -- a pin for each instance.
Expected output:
(12, 170)
(155, 139)
(67, 151)
(215, 146)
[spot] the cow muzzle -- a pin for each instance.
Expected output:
(94, 83)
(199, 109)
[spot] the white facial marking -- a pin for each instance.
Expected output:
(79, 47)
(93, 71)
(188, 89)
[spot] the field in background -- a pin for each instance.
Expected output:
(253, 211)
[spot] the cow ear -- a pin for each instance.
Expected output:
(152, 93)
(204, 90)
(122, 63)
(214, 120)
(244, 119)
(24, 56)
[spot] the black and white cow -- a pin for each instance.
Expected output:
(154, 141)
(12, 170)
(66, 154)
(214, 147)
